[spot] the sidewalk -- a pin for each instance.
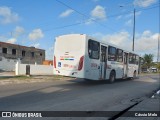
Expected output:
(148, 105)
(6, 74)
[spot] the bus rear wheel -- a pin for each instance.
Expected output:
(112, 77)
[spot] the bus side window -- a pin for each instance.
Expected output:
(112, 53)
(137, 59)
(119, 55)
(93, 49)
(132, 58)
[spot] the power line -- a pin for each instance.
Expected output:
(85, 15)
(131, 11)
(78, 23)
(110, 16)
(65, 26)
(74, 24)
(107, 16)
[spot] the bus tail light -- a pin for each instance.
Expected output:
(81, 63)
(54, 61)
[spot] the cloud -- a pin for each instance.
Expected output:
(36, 34)
(49, 53)
(137, 13)
(37, 45)
(11, 40)
(18, 31)
(145, 42)
(98, 13)
(7, 16)
(117, 38)
(89, 21)
(66, 13)
(129, 22)
(130, 16)
(143, 3)
(119, 17)
(3, 38)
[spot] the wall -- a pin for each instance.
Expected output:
(34, 69)
(7, 64)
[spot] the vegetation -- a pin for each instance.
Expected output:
(21, 77)
(148, 60)
(158, 66)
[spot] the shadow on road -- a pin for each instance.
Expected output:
(58, 91)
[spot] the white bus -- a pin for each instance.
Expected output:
(81, 56)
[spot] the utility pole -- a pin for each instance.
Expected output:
(158, 53)
(133, 26)
(133, 30)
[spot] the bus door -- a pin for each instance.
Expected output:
(103, 62)
(125, 64)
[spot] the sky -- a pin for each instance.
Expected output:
(37, 22)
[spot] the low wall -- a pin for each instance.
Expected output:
(34, 69)
(7, 64)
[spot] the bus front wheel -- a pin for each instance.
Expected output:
(112, 77)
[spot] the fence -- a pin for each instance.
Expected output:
(7, 64)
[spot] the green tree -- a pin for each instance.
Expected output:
(148, 60)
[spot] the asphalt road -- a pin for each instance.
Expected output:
(76, 95)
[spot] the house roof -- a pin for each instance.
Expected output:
(16, 45)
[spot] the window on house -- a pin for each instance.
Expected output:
(4, 50)
(23, 53)
(32, 54)
(112, 53)
(40, 54)
(13, 51)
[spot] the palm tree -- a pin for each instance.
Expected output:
(148, 60)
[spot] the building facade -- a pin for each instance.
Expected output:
(27, 55)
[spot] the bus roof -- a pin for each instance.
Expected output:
(96, 39)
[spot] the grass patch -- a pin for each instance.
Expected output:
(152, 73)
(35, 77)
(59, 77)
(23, 77)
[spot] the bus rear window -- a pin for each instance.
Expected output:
(93, 49)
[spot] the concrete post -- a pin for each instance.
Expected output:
(17, 68)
